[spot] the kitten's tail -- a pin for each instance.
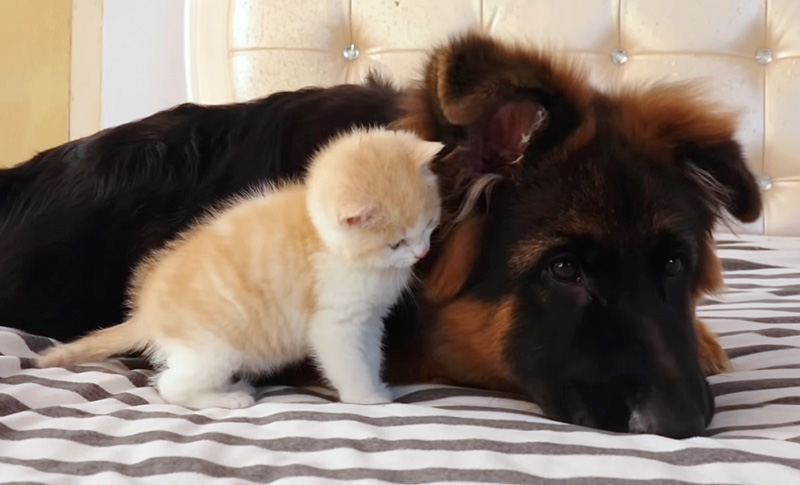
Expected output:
(98, 345)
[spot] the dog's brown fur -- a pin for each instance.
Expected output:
(469, 343)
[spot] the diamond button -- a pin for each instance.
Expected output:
(764, 56)
(764, 182)
(351, 52)
(619, 56)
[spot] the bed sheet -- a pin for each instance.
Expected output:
(104, 424)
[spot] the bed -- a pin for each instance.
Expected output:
(103, 423)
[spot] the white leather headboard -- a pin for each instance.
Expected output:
(747, 52)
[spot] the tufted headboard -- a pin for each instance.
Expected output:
(746, 52)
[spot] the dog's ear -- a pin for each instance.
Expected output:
(504, 103)
(720, 168)
(701, 134)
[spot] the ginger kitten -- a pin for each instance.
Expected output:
(304, 269)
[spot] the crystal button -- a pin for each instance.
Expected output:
(764, 56)
(619, 56)
(764, 182)
(351, 52)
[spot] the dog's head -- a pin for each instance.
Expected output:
(575, 279)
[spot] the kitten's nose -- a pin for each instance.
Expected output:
(420, 252)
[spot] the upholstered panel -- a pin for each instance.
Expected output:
(746, 53)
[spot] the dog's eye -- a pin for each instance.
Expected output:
(673, 266)
(565, 270)
(397, 244)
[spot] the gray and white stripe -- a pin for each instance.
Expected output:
(102, 423)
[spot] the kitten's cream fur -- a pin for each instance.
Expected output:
(278, 275)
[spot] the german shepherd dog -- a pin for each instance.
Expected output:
(577, 242)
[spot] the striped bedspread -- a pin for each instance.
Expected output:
(102, 424)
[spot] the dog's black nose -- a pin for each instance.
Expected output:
(673, 416)
(647, 421)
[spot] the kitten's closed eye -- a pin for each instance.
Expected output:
(397, 245)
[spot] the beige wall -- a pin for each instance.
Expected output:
(34, 76)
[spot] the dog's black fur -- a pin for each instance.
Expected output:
(75, 219)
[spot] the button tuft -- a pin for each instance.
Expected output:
(764, 56)
(764, 182)
(351, 52)
(619, 56)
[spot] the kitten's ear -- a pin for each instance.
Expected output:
(358, 215)
(426, 151)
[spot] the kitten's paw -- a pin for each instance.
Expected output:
(236, 400)
(243, 386)
(228, 400)
(377, 396)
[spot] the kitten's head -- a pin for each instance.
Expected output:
(373, 197)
